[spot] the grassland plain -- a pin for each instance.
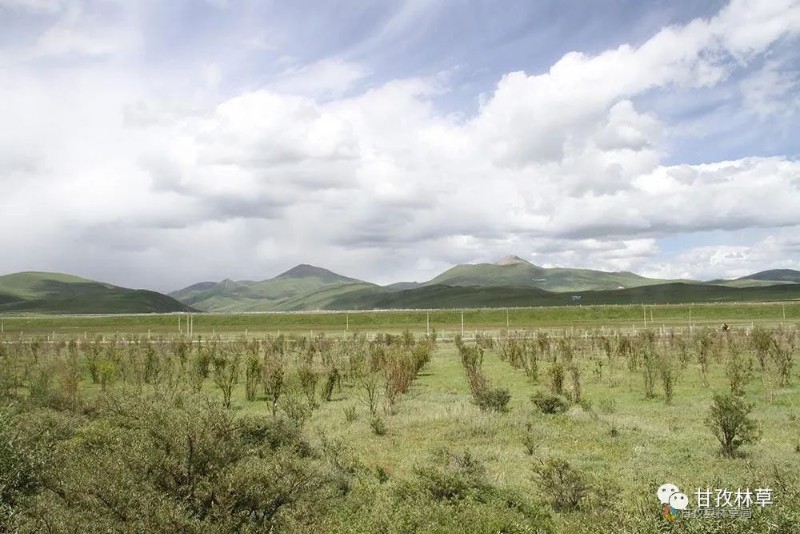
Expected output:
(627, 449)
(436, 462)
(625, 317)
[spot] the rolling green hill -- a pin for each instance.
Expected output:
(762, 279)
(510, 282)
(775, 275)
(514, 271)
(443, 297)
(303, 287)
(63, 293)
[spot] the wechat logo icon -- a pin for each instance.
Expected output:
(670, 496)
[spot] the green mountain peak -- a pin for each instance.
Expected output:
(512, 260)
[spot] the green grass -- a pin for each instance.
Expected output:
(623, 317)
(653, 442)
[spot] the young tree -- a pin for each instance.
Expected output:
(370, 388)
(226, 373)
(272, 374)
(730, 423)
(252, 375)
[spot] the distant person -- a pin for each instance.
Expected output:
(725, 327)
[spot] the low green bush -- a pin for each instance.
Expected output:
(550, 403)
(493, 399)
(564, 486)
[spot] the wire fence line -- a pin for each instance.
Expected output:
(471, 335)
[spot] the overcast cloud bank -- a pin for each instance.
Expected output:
(122, 160)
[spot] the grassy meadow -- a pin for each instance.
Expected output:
(567, 422)
(447, 322)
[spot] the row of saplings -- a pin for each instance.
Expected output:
(766, 355)
(728, 418)
(656, 358)
(292, 374)
(157, 453)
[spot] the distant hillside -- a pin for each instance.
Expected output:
(293, 289)
(439, 296)
(511, 281)
(63, 293)
(400, 286)
(514, 271)
(776, 275)
(762, 279)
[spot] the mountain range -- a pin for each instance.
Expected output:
(511, 281)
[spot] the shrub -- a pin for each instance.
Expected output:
(484, 396)
(575, 375)
(563, 485)
(566, 349)
(484, 341)
(21, 468)
(761, 341)
(399, 370)
(272, 378)
(530, 439)
(378, 426)
(370, 391)
(550, 403)
(530, 360)
(107, 371)
(407, 339)
(381, 474)
(667, 378)
(782, 352)
(556, 373)
(252, 375)
(649, 369)
(174, 462)
(626, 350)
(152, 364)
(295, 409)
(308, 382)
(739, 369)
(494, 399)
(706, 347)
(226, 373)
(452, 496)
(730, 423)
(40, 384)
(453, 477)
(586, 406)
(92, 355)
(330, 383)
(70, 380)
(202, 362)
(350, 414)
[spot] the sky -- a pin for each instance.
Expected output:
(157, 144)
